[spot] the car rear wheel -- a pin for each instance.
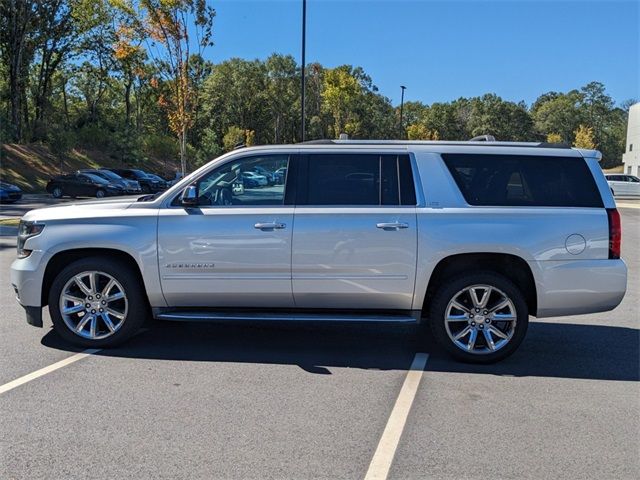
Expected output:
(97, 302)
(57, 192)
(479, 318)
(100, 193)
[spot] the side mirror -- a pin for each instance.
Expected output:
(189, 196)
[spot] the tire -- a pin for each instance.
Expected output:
(100, 193)
(57, 192)
(472, 318)
(126, 314)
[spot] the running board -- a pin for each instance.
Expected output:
(204, 316)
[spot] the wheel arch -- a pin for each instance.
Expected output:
(65, 257)
(512, 267)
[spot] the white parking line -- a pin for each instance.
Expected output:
(51, 368)
(382, 459)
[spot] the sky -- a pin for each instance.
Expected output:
(443, 50)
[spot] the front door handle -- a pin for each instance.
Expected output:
(270, 226)
(392, 225)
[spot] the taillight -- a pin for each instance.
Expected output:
(615, 232)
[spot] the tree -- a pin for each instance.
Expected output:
(560, 115)
(171, 24)
(339, 96)
(419, 131)
(509, 121)
(554, 138)
(282, 94)
(17, 30)
(584, 138)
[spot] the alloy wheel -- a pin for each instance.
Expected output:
(93, 305)
(480, 319)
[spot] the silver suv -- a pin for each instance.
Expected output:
(470, 237)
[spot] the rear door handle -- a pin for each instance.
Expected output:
(270, 226)
(392, 225)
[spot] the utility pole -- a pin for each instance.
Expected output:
(401, 111)
(302, 69)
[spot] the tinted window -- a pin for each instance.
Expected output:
(513, 180)
(357, 179)
(238, 183)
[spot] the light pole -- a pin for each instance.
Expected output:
(403, 88)
(302, 69)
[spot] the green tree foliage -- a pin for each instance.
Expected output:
(127, 77)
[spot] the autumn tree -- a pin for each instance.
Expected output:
(584, 138)
(554, 138)
(174, 28)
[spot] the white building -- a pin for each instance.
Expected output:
(631, 157)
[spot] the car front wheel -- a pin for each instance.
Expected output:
(479, 318)
(57, 192)
(97, 302)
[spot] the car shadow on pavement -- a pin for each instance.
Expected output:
(549, 350)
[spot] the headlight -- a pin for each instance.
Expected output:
(27, 230)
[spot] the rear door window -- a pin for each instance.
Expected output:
(356, 179)
(519, 180)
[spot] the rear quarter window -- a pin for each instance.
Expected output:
(523, 180)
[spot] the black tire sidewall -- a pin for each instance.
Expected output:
(99, 191)
(454, 285)
(53, 193)
(136, 298)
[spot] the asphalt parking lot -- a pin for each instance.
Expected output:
(300, 401)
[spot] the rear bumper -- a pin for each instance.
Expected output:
(577, 287)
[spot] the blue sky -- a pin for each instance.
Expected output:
(442, 50)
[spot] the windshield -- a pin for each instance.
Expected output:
(106, 174)
(139, 173)
(95, 178)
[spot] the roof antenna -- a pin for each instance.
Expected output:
(483, 138)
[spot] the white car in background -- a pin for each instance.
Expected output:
(622, 184)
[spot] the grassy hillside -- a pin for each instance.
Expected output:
(31, 166)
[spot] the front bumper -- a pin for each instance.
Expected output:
(27, 275)
(576, 287)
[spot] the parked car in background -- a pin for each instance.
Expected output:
(82, 185)
(253, 180)
(281, 175)
(622, 184)
(161, 183)
(9, 193)
(271, 177)
(147, 184)
(129, 186)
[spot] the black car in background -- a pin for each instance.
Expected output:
(82, 185)
(147, 184)
(129, 186)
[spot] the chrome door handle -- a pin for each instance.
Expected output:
(392, 225)
(270, 226)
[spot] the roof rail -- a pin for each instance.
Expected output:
(470, 143)
(322, 141)
(483, 138)
(554, 145)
